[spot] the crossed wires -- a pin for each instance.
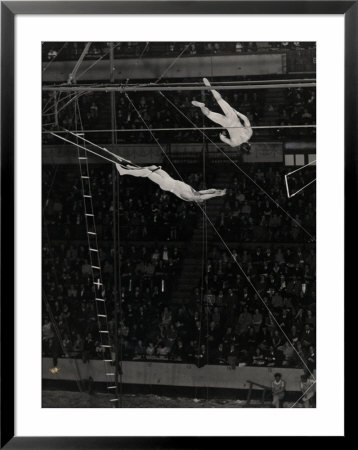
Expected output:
(271, 315)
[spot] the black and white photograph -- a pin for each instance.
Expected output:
(179, 224)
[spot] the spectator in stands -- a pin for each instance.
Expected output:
(308, 390)
(289, 273)
(278, 388)
(218, 355)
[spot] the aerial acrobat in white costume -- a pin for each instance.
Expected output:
(239, 132)
(167, 183)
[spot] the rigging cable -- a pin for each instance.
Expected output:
(241, 170)
(272, 316)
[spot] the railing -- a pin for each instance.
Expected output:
(72, 50)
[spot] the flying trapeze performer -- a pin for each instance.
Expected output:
(167, 183)
(240, 131)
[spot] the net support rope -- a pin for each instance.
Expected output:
(230, 252)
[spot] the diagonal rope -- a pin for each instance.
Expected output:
(101, 148)
(230, 252)
(172, 64)
(72, 99)
(83, 148)
(241, 170)
(297, 401)
(76, 144)
(63, 99)
(155, 139)
(97, 61)
(54, 57)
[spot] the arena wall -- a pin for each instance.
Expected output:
(174, 374)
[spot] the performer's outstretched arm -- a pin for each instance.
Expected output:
(244, 119)
(226, 140)
(167, 183)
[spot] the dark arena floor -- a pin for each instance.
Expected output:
(67, 399)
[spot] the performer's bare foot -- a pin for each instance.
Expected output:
(202, 106)
(198, 104)
(121, 169)
(206, 82)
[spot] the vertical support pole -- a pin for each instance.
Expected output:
(55, 108)
(116, 269)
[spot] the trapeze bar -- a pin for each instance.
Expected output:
(300, 168)
(152, 87)
(130, 130)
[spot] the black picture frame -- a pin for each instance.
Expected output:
(9, 10)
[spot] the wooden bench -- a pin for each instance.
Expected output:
(265, 389)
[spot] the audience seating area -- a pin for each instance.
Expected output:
(225, 321)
